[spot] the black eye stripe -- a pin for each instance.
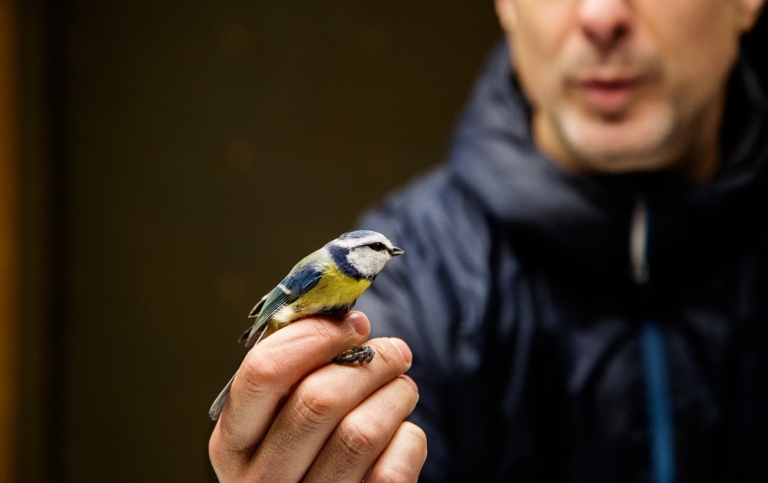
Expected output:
(378, 246)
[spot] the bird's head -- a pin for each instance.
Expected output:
(362, 253)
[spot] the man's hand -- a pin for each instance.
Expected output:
(292, 415)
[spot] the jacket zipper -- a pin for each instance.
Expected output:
(658, 397)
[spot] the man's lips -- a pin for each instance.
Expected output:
(608, 94)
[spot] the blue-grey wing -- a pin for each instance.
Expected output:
(296, 284)
(255, 310)
(301, 280)
(263, 311)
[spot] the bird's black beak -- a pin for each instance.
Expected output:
(396, 251)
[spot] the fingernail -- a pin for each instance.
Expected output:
(359, 322)
(403, 348)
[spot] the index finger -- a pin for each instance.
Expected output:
(271, 369)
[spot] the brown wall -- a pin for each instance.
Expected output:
(9, 258)
(179, 157)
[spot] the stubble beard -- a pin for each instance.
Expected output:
(643, 141)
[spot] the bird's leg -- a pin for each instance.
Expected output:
(361, 354)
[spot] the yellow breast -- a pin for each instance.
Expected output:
(333, 290)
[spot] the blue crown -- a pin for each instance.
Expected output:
(357, 234)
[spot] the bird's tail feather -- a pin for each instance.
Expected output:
(218, 404)
(248, 336)
(253, 336)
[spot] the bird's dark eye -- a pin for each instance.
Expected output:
(378, 246)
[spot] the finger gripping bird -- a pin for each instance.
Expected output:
(325, 282)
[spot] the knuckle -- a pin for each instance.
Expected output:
(314, 407)
(223, 459)
(324, 330)
(215, 450)
(360, 438)
(261, 373)
(324, 333)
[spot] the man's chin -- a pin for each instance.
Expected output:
(602, 163)
(620, 147)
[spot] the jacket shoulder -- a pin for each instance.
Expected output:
(445, 275)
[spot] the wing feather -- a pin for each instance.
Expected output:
(301, 280)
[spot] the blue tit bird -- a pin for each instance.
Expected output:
(326, 282)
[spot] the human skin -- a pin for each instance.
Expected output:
(294, 416)
(627, 85)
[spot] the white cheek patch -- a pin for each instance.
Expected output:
(366, 261)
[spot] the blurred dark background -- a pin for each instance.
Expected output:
(174, 160)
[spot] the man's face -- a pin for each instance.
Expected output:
(626, 85)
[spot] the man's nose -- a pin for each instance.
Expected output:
(605, 22)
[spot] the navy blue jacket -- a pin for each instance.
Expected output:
(538, 355)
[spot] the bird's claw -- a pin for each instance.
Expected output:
(361, 354)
